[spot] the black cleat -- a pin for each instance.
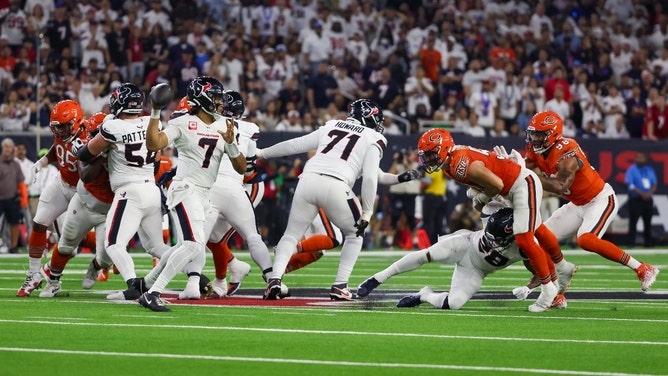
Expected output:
(367, 286)
(273, 289)
(153, 302)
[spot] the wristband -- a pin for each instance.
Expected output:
(155, 113)
(232, 150)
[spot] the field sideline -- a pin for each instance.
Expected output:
(609, 328)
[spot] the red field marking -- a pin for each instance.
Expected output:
(256, 302)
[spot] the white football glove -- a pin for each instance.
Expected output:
(500, 151)
(477, 196)
(521, 293)
(37, 167)
(77, 144)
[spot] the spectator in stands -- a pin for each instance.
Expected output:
(509, 97)
(272, 73)
(135, 57)
(451, 79)
(316, 49)
(418, 89)
(290, 94)
(499, 129)
(156, 48)
(156, 15)
(291, 124)
(118, 43)
(614, 109)
(474, 128)
(183, 72)
(558, 104)
(472, 79)
(14, 114)
(484, 104)
(321, 89)
(655, 127)
(636, 107)
(94, 45)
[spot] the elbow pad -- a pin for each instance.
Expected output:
(84, 154)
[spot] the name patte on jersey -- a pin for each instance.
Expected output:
(134, 137)
(350, 127)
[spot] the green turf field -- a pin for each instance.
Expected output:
(608, 328)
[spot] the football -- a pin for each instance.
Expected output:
(161, 95)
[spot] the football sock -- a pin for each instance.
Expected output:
(221, 256)
(316, 243)
(352, 247)
(58, 261)
(549, 242)
(122, 260)
(410, 261)
(36, 247)
(300, 260)
(590, 242)
(537, 257)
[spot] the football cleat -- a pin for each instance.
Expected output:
(565, 272)
(133, 292)
(52, 289)
(238, 271)
(367, 286)
(219, 287)
(154, 302)
(103, 276)
(340, 292)
(414, 300)
(273, 289)
(191, 292)
(33, 281)
(91, 276)
(559, 302)
(548, 292)
(647, 275)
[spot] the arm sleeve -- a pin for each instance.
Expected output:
(370, 181)
(385, 178)
(294, 146)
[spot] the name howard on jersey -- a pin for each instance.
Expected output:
(134, 137)
(350, 127)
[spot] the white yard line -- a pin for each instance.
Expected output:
(411, 366)
(337, 332)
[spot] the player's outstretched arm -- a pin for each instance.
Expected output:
(231, 149)
(161, 95)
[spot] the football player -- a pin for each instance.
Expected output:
(490, 175)
(87, 210)
(565, 170)
(202, 137)
(475, 254)
(346, 150)
(66, 123)
(136, 202)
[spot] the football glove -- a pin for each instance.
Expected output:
(361, 225)
(408, 176)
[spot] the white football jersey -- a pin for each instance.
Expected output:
(485, 261)
(247, 134)
(200, 148)
(341, 148)
(129, 159)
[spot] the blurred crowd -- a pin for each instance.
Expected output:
(478, 66)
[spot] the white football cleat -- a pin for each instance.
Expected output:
(547, 294)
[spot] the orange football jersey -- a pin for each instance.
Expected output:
(587, 182)
(67, 162)
(100, 187)
(461, 158)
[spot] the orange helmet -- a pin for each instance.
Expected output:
(184, 105)
(544, 130)
(433, 149)
(66, 118)
(94, 122)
